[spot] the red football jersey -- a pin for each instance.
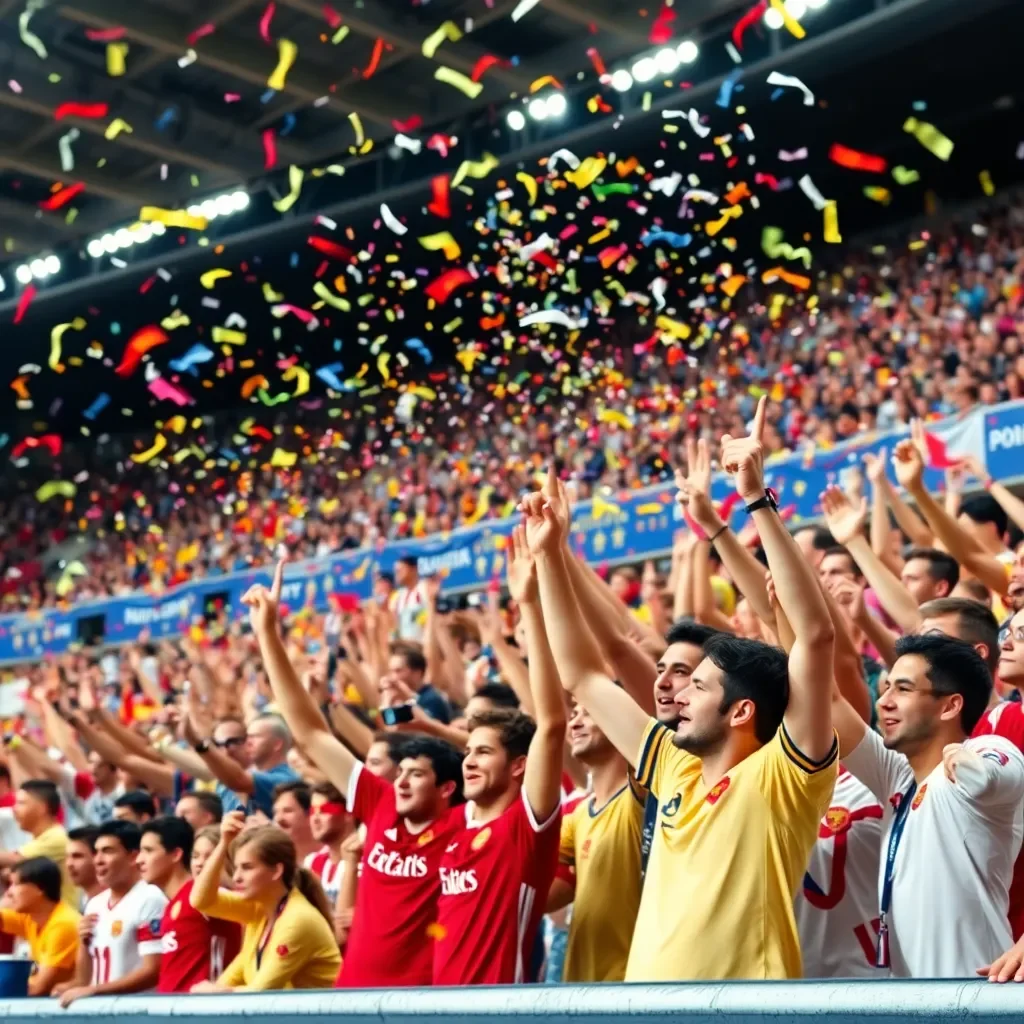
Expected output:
(1007, 720)
(194, 947)
(494, 884)
(391, 941)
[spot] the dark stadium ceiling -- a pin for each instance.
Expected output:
(184, 130)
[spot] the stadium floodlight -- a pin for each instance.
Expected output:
(38, 268)
(23, 273)
(773, 19)
(622, 80)
(645, 69)
(95, 248)
(557, 104)
(516, 120)
(816, 5)
(795, 8)
(52, 264)
(666, 60)
(3, 285)
(687, 51)
(239, 200)
(538, 108)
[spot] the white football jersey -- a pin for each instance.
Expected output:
(329, 873)
(837, 903)
(953, 866)
(125, 931)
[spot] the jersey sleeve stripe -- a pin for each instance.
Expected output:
(353, 785)
(648, 759)
(801, 760)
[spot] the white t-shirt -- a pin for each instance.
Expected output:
(408, 604)
(950, 890)
(329, 873)
(837, 904)
(125, 932)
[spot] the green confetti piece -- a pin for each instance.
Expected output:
(272, 400)
(623, 187)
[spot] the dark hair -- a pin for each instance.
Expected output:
(414, 659)
(443, 757)
(411, 560)
(985, 509)
(138, 801)
(755, 671)
(954, 666)
(329, 791)
(941, 565)
(395, 742)
(85, 834)
(388, 577)
(821, 540)
(45, 792)
(175, 834)
(515, 728)
(499, 694)
(209, 802)
(299, 789)
(41, 872)
(975, 623)
(838, 549)
(127, 833)
(977, 591)
(687, 631)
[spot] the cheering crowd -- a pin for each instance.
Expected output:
(795, 754)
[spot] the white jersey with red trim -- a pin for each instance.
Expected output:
(330, 873)
(125, 931)
(837, 904)
(408, 604)
(952, 869)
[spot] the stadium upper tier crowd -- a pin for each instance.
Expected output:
(931, 332)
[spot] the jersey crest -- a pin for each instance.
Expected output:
(919, 796)
(716, 791)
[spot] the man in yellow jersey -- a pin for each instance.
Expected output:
(599, 859)
(744, 779)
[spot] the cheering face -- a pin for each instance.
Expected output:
(908, 708)
(416, 791)
(674, 671)
(702, 726)
(79, 865)
(115, 866)
(487, 771)
(378, 761)
(326, 820)
(586, 741)
(1011, 653)
(154, 862)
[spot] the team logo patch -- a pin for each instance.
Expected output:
(116, 928)
(480, 839)
(918, 797)
(425, 838)
(670, 807)
(837, 820)
(282, 950)
(996, 755)
(716, 791)
(585, 851)
(175, 911)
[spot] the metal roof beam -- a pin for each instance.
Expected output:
(110, 186)
(581, 14)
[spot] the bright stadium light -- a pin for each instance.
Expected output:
(239, 201)
(52, 264)
(687, 51)
(538, 108)
(666, 60)
(622, 80)
(773, 19)
(645, 69)
(38, 268)
(795, 8)
(816, 5)
(95, 248)
(556, 104)
(516, 120)
(23, 273)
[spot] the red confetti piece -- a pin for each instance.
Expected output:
(204, 30)
(754, 15)
(440, 205)
(138, 345)
(726, 507)
(269, 149)
(595, 59)
(442, 287)
(51, 441)
(488, 60)
(440, 143)
(661, 29)
(935, 450)
(24, 301)
(104, 35)
(87, 110)
(378, 49)
(258, 431)
(854, 160)
(329, 248)
(147, 284)
(545, 259)
(265, 20)
(767, 179)
(62, 196)
(331, 16)
(410, 125)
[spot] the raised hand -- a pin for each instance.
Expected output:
(743, 457)
(263, 604)
(849, 595)
(908, 458)
(874, 466)
(231, 826)
(845, 520)
(695, 486)
(522, 572)
(545, 517)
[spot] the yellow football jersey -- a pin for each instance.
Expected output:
(601, 847)
(726, 861)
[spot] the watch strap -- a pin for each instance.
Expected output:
(767, 500)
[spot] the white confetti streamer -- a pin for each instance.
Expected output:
(549, 316)
(412, 145)
(527, 252)
(67, 156)
(798, 154)
(563, 154)
(29, 38)
(810, 190)
(667, 186)
(391, 220)
(523, 8)
(791, 81)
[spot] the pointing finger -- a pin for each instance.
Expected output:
(275, 589)
(757, 430)
(551, 482)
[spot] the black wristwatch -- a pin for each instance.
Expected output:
(201, 747)
(767, 501)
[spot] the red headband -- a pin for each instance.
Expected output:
(329, 807)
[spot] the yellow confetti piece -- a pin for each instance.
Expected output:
(599, 508)
(458, 80)
(301, 376)
(675, 328)
(330, 298)
(339, 35)
(173, 218)
(227, 336)
(118, 125)
(287, 51)
(650, 508)
(442, 240)
(151, 453)
(382, 365)
(449, 30)
(270, 295)
(615, 416)
(211, 277)
(56, 336)
(930, 137)
(712, 227)
(733, 284)
(775, 248)
(878, 194)
(986, 183)
(177, 424)
(587, 172)
(64, 488)
(792, 25)
(357, 126)
(280, 459)
(295, 178)
(538, 83)
(905, 175)
(116, 53)
(474, 169)
(831, 232)
(530, 184)
(422, 391)
(175, 320)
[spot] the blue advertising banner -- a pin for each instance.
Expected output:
(612, 528)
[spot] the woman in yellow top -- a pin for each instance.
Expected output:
(289, 938)
(33, 911)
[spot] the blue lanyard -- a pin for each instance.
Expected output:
(899, 822)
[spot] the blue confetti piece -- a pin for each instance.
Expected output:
(166, 119)
(329, 375)
(268, 96)
(675, 240)
(101, 402)
(115, 327)
(337, 344)
(229, 454)
(294, 260)
(191, 359)
(725, 92)
(4, 438)
(776, 94)
(289, 124)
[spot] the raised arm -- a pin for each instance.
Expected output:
(808, 716)
(303, 717)
(880, 529)
(576, 653)
(543, 779)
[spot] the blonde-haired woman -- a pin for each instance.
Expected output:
(288, 940)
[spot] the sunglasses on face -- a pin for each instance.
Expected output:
(234, 741)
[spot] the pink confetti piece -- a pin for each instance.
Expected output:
(269, 149)
(232, 97)
(265, 20)
(162, 389)
(199, 33)
(14, 86)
